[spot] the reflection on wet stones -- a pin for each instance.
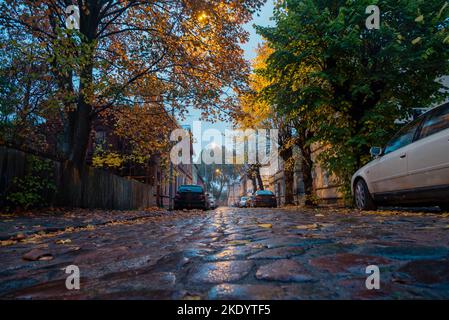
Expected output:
(233, 253)
(264, 292)
(278, 253)
(218, 272)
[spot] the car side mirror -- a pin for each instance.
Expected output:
(375, 151)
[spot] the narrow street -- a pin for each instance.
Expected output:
(232, 253)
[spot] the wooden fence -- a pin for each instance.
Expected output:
(85, 188)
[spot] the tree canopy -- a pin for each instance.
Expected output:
(351, 85)
(127, 58)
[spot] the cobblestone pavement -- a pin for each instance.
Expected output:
(232, 253)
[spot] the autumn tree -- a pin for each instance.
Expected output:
(259, 111)
(297, 129)
(123, 50)
(356, 83)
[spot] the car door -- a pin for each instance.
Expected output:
(428, 161)
(389, 174)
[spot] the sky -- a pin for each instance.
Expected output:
(262, 17)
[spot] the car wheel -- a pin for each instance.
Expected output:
(444, 207)
(362, 197)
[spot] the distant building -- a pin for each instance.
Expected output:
(324, 184)
(276, 180)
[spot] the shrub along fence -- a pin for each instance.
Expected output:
(71, 187)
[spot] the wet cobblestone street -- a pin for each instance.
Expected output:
(232, 253)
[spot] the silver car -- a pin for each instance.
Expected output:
(243, 202)
(212, 203)
(412, 169)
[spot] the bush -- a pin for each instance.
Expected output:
(33, 188)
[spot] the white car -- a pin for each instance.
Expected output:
(412, 169)
(243, 202)
(212, 202)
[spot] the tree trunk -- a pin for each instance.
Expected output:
(306, 168)
(289, 178)
(259, 178)
(69, 128)
(220, 191)
(286, 153)
(82, 124)
(81, 132)
(253, 180)
(287, 156)
(82, 117)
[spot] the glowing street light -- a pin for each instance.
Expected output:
(202, 17)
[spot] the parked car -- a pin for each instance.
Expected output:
(191, 197)
(250, 201)
(412, 169)
(242, 203)
(212, 202)
(264, 198)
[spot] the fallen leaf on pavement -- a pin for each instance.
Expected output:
(63, 241)
(46, 258)
(19, 236)
(7, 242)
(192, 297)
(308, 226)
(238, 242)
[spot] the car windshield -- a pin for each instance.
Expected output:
(403, 137)
(191, 188)
(264, 193)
